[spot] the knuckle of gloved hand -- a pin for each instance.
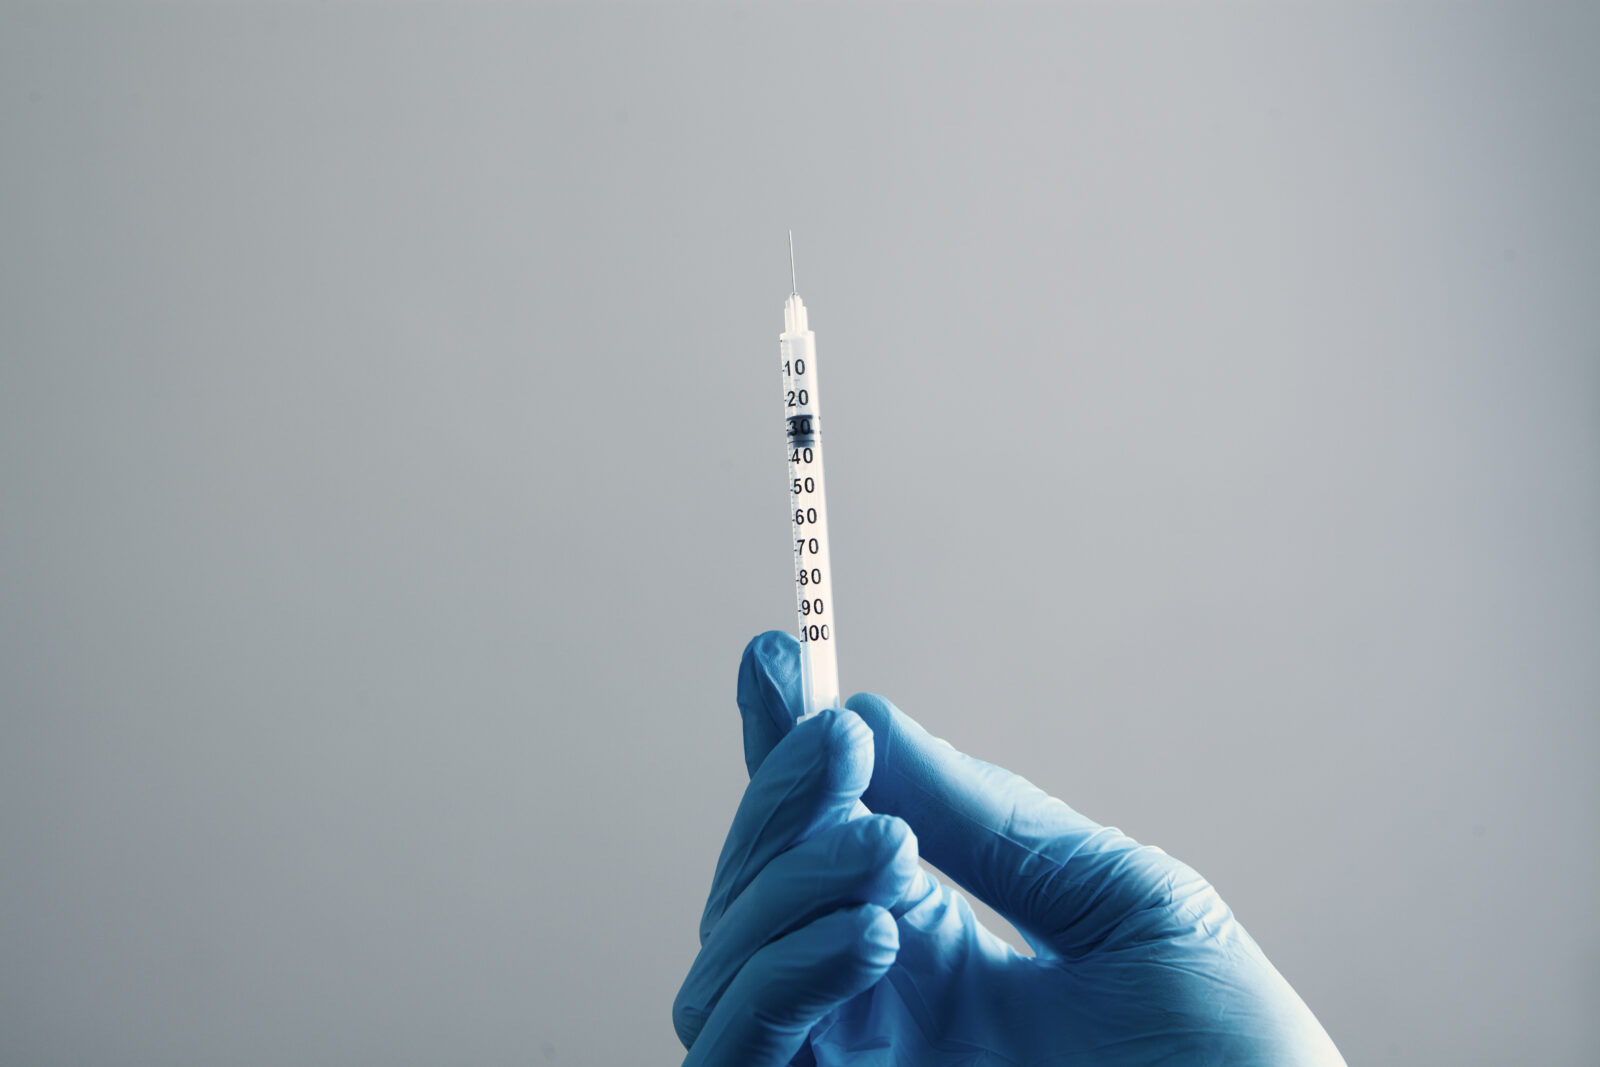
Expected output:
(851, 947)
(903, 865)
(874, 858)
(879, 941)
(845, 744)
(891, 850)
(687, 1019)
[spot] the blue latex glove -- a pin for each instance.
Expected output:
(824, 942)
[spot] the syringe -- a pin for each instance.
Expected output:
(813, 577)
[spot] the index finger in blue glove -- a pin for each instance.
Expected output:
(1067, 883)
(811, 779)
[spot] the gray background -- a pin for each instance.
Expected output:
(391, 476)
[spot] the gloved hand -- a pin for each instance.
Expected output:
(824, 942)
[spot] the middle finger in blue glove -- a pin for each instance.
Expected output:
(872, 860)
(811, 780)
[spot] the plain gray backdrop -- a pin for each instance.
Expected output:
(391, 474)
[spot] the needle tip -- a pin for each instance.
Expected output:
(794, 287)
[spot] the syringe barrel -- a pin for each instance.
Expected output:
(813, 569)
